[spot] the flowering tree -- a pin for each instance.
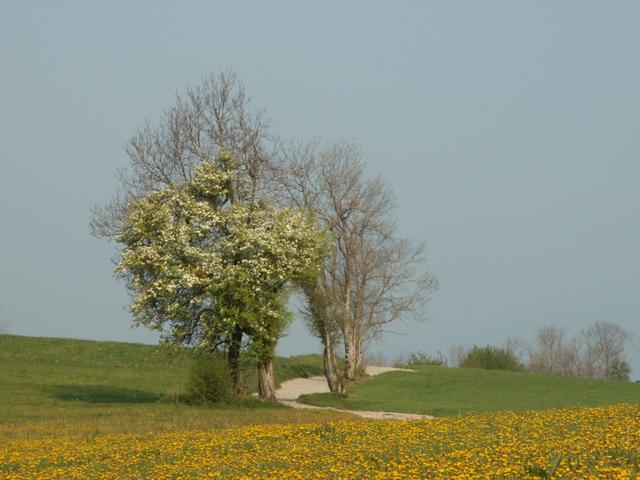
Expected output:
(207, 269)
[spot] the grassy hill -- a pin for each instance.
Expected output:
(447, 391)
(61, 386)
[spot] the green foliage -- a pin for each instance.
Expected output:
(210, 379)
(202, 264)
(422, 358)
(450, 391)
(490, 358)
(619, 370)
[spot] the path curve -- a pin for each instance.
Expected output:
(290, 390)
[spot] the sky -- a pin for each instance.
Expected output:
(510, 132)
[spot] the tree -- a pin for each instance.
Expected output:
(605, 350)
(552, 353)
(206, 269)
(214, 116)
(372, 277)
(545, 355)
(599, 353)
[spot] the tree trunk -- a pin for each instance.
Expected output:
(266, 380)
(316, 292)
(330, 364)
(233, 358)
(358, 355)
(350, 357)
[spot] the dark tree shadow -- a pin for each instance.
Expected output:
(102, 394)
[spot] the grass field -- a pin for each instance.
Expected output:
(447, 391)
(77, 409)
(51, 386)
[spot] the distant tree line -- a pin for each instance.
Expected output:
(599, 351)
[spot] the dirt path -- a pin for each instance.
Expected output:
(290, 390)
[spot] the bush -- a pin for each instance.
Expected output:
(404, 360)
(421, 358)
(490, 358)
(619, 370)
(210, 380)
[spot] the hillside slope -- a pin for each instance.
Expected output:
(447, 391)
(55, 385)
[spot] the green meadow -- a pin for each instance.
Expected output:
(53, 386)
(443, 391)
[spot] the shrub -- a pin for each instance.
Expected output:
(210, 380)
(619, 370)
(490, 358)
(421, 358)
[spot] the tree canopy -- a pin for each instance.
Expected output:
(205, 176)
(203, 266)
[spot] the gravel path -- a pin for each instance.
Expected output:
(290, 390)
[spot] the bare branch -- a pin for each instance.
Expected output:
(373, 278)
(215, 115)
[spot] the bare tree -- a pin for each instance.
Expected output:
(373, 277)
(570, 359)
(598, 353)
(545, 355)
(605, 344)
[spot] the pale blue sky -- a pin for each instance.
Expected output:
(509, 130)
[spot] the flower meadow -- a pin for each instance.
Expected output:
(601, 443)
